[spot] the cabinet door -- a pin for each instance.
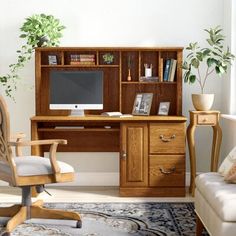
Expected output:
(134, 155)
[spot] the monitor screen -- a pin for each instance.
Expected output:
(76, 90)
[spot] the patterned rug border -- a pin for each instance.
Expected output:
(152, 218)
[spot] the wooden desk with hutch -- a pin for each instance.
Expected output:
(152, 148)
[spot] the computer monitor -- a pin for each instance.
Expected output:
(76, 90)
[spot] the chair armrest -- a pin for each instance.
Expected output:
(17, 136)
(38, 142)
(52, 153)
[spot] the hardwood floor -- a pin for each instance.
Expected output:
(84, 194)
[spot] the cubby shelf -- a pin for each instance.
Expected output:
(127, 83)
(75, 66)
(119, 94)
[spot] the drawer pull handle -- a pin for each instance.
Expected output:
(167, 172)
(204, 120)
(167, 139)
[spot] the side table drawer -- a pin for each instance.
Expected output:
(209, 119)
(167, 138)
(167, 170)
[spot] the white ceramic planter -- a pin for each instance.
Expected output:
(202, 102)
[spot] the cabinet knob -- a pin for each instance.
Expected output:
(167, 172)
(123, 155)
(167, 139)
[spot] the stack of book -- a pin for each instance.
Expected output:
(148, 79)
(82, 59)
(169, 71)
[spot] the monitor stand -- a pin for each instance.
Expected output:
(77, 112)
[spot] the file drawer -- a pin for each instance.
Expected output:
(167, 138)
(167, 170)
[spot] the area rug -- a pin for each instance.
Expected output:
(117, 219)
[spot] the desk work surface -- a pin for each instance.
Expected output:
(104, 118)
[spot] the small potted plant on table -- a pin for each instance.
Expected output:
(214, 58)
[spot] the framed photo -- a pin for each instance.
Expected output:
(164, 108)
(52, 59)
(142, 104)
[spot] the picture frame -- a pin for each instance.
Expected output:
(52, 59)
(164, 108)
(142, 104)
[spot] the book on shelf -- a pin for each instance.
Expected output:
(169, 72)
(161, 70)
(148, 79)
(116, 114)
(82, 63)
(172, 70)
(82, 59)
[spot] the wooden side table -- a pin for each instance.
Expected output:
(203, 118)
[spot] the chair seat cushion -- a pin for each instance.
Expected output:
(220, 195)
(35, 165)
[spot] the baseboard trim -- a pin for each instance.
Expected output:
(97, 179)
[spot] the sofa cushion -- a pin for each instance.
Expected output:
(220, 195)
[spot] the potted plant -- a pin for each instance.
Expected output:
(38, 30)
(200, 63)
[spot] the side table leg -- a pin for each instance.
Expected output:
(217, 138)
(192, 156)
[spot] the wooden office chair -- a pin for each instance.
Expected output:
(27, 171)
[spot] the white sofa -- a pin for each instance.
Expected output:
(215, 205)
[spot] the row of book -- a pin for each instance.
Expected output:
(82, 59)
(169, 70)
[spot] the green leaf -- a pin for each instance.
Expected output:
(192, 78)
(195, 62)
(199, 56)
(210, 62)
(186, 76)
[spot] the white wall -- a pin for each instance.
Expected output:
(229, 85)
(110, 23)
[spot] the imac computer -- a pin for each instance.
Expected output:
(76, 90)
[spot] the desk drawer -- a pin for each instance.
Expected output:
(167, 170)
(167, 138)
(206, 119)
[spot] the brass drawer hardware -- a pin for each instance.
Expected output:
(167, 172)
(167, 139)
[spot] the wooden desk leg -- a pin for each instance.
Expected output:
(216, 143)
(191, 146)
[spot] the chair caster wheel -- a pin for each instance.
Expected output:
(6, 234)
(79, 224)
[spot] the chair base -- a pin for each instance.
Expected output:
(20, 213)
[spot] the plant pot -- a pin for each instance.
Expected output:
(42, 40)
(202, 102)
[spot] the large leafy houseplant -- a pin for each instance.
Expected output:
(38, 30)
(215, 58)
